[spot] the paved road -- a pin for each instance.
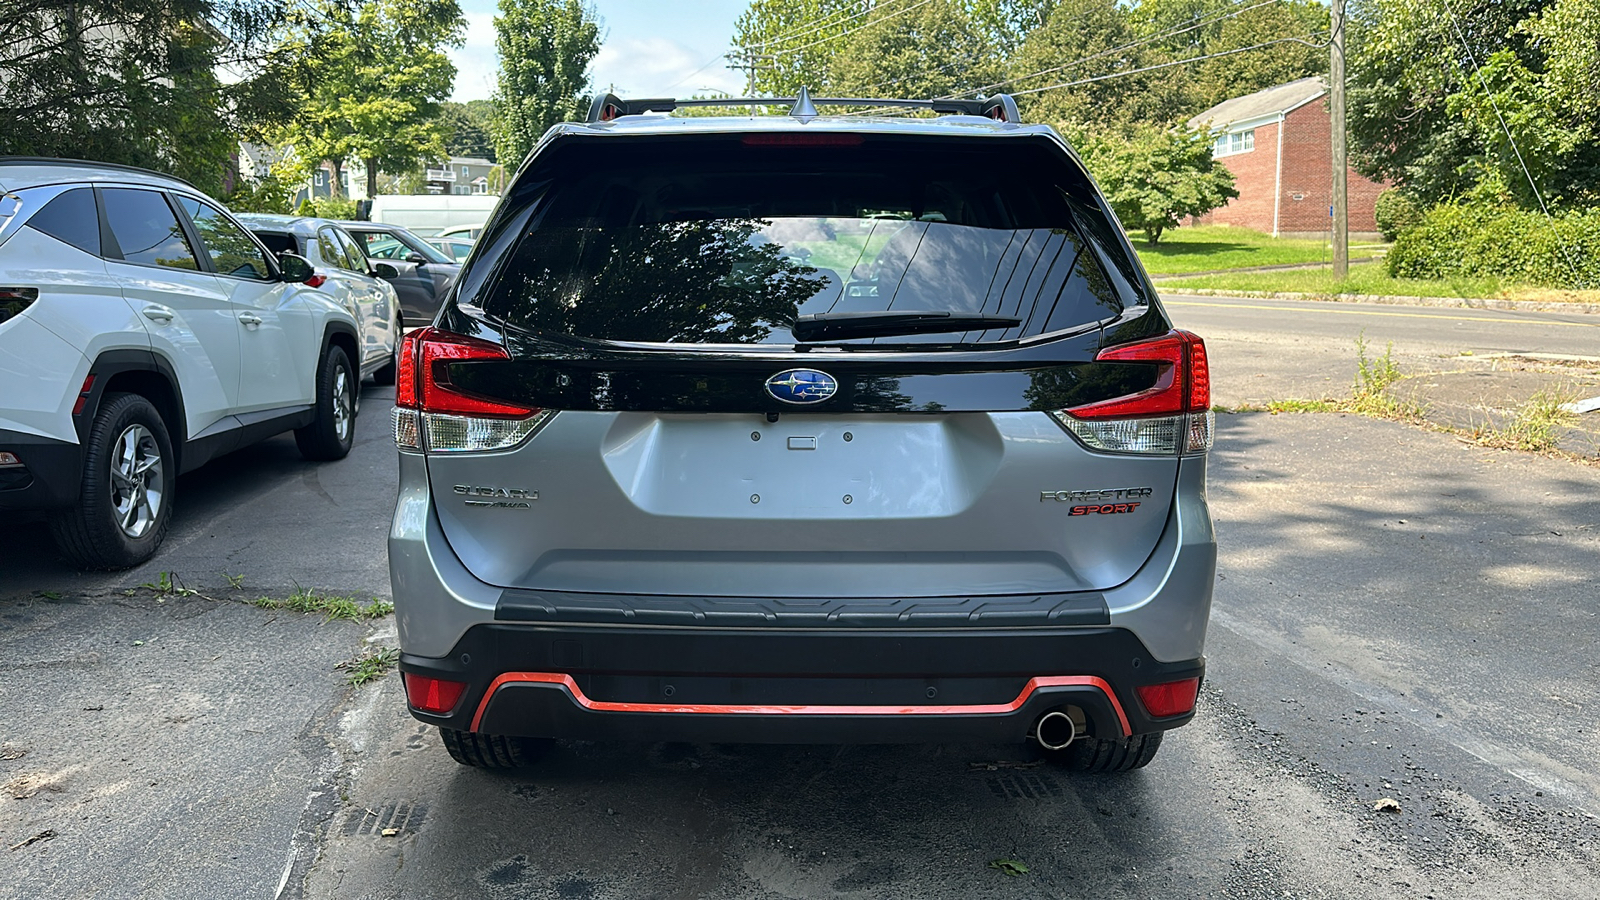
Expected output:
(1398, 615)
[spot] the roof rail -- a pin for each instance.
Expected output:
(1000, 107)
(68, 161)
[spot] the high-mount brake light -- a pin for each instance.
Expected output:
(1171, 417)
(791, 139)
(432, 413)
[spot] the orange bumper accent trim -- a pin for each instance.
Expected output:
(990, 709)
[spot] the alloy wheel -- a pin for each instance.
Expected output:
(138, 481)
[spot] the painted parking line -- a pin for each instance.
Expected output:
(1395, 315)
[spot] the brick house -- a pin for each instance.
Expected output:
(1277, 144)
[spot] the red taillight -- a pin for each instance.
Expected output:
(315, 281)
(423, 380)
(1173, 698)
(405, 382)
(433, 695)
(1182, 385)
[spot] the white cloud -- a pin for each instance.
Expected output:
(631, 67)
(477, 65)
(659, 67)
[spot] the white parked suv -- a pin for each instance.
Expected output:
(143, 332)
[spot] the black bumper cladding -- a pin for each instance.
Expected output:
(48, 478)
(793, 685)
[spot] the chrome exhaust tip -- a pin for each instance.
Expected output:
(1054, 730)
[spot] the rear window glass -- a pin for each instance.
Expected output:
(717, 241)
(147, 230)
(278, 242)
(71, 217)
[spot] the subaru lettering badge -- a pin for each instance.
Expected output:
(802, 386)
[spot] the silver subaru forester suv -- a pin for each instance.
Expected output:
(803, 428)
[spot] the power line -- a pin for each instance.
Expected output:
(1166, 65)
(1455, 24)
(707, 65)
(1129, 46)
(879, 21)
(818, 26)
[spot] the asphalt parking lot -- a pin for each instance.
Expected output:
(1399, 615)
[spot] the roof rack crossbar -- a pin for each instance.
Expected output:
(999, 106)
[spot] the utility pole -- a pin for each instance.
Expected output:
(1341, 187)
(750, 60)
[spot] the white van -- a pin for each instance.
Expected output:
(429, 214)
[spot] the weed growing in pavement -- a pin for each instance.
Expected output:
(234, 581)
(1370, 396)
(1374, 377)
(331, 606)
(1536, 426)
(1301, 406)
(167, 584)
(371, 665)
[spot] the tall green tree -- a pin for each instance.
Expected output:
(545, 50)
(1081, 40)
(468, 128)
(1191, 29)
(792, 43)
(133, 81)
(931, 49)
(1156, 177)
(373, 93)
(1419, 114)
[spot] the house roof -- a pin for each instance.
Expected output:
(1262, 104)
(470, 161)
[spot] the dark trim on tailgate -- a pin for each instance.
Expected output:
(553, 607)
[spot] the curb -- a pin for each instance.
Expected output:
(1592, 309)
(1281, 267)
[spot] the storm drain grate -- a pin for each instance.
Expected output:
(1024, 786)
(403, 816)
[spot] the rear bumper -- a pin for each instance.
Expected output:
(795, 685)
(49, 476)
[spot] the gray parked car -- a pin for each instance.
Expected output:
(423, 274)
(803, 429)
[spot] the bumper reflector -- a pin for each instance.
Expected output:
(1175, 698)
(432, 695)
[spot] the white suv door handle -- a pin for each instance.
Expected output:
(155, 312)
(249, 319)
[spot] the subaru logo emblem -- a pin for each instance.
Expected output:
(802, 386)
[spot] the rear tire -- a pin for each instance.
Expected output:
(1087, 754)
(492, 751)
(125, 498)
(331, 433)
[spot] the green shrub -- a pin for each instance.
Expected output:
(1395, 213)
(1515, 245)
(336, 208)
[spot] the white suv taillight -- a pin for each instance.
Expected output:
(433, 414)
(1173, 417)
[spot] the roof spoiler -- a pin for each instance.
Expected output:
(1000, 107)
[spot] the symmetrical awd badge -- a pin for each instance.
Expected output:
(802, 386)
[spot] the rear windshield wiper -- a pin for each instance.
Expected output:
(889, 323)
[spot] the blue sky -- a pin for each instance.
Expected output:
(650, 48)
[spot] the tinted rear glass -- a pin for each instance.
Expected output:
(71, 217)
(147, 230)
(716, 241)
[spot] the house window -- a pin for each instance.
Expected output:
(1236, 142)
